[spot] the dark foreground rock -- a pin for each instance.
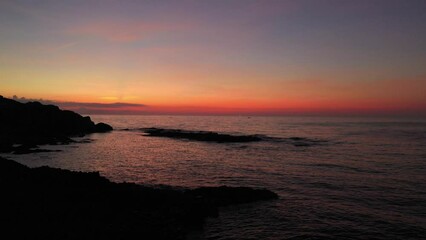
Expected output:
(48, 203)
(204, 136)
(33, 124)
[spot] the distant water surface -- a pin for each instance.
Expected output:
(356, 179)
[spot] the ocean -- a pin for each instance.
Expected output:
(337, 178)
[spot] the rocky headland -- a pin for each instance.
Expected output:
(49, 203)
(25, 126)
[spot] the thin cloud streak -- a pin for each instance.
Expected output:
(125, 31)
(88, 107)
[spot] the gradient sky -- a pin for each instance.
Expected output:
(219, 57)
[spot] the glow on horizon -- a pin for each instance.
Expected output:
(214, 57)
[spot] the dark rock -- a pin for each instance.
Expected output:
(103, 127)
(33, 123)
(30, 150)
(6, 147)
(36, 118)
(302, 144)
(203, 136)
(48, 203)
(297, 138)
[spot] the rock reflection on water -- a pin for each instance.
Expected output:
(365, 179)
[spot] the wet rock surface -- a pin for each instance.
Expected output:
(204, 136)
(207, 136)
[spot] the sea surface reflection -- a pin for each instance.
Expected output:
(368, 179)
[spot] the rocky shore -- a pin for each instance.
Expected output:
(48, 203)
(26, 126)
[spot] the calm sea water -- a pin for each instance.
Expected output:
(360, 179)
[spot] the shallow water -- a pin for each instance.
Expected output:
(356, 179)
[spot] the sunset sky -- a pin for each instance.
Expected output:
(217, 57)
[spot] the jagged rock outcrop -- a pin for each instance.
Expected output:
(32, 124)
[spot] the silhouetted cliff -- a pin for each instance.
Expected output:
(31, 124)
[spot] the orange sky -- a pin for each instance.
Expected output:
(240, 57)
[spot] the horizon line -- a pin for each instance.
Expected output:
(122, 108)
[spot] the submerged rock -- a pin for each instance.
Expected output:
(204, 136)
(207, 136)
(28, 149)
(304, 142)
(48, 203)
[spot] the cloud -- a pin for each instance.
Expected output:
(98, 105)
(125, 31)
(88, 107)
